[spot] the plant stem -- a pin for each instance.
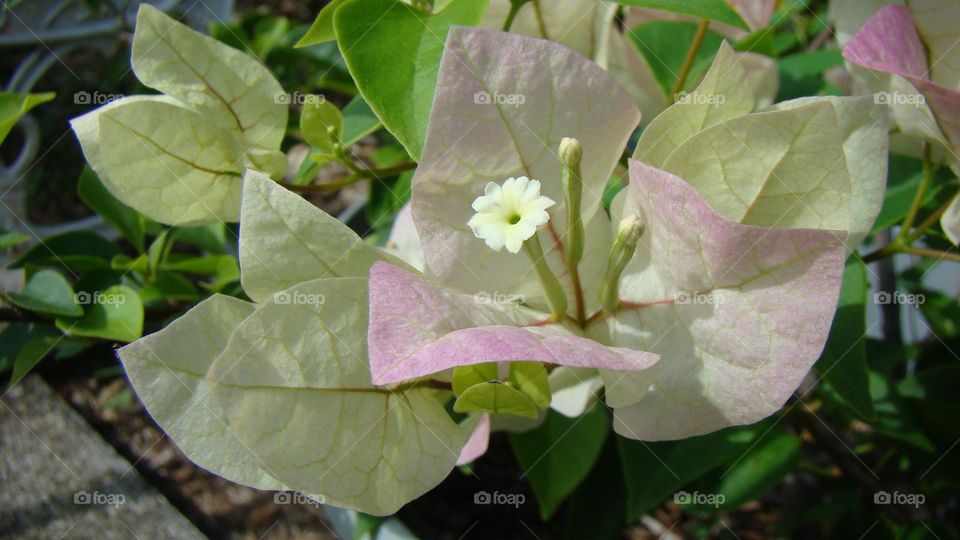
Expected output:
(689, 59)
(932, 253)
(931, 220)
(360, 174)
(515, 6)
(556, 296)
(925, 178)
(326, 187)
(390, 171)
(895, 247)
(540, 23)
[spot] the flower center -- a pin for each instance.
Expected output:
(513, 219)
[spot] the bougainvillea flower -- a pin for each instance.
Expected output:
(918, 47)
(335, 380)
(792, 166)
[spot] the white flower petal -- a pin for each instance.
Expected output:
(508, 214)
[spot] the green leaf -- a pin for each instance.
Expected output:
(11, 238)
(400, 90)
(894, 417)
(843, 363)
(496, 398)
(942, 313)
(321, 124)
(387, 197)
(599, 496)
(558, 455)
(530, 378)
(470, 375)
(169, 286)
(206, 265)
(938, 383)
(14, 105)
(654, 471)
(359, 120)
(525, 393)
(47, 292)
(159, 250)
(933, 394)
(125, 263)
(113, 314)
(31, 354)
(76, 251)
(128, 221)
(269, 34)
(760, 41)
(714, 10)
(321, 30)
(802, 74)
(211, 237)
(760, 470)
(664, 46)
(12, 338)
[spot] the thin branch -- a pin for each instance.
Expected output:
(353, 178)
(925, 178)
(931, 220)
(689, 59)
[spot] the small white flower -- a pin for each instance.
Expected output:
(509, 214)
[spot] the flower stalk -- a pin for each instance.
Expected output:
(556, 296)
(628, 234)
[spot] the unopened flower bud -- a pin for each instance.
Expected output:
(629, 231)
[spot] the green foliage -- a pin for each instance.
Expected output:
(559, 454)
(655, 471)
(664, 44)
(844, 361)
(321, 124)
(47, 292)
(128, 221)
(714, 10)
(885, 407)
(399, 91)
(13, 106)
